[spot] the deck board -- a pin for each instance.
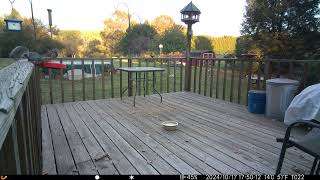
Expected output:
(260, 133)
(101, 159)
(252, 134)
(63, 156)
(49, 166)
(80, 154)
(153, 158)
(119, 161)
(157, 147)
(113, 137)
(234, 141)
(173, 140)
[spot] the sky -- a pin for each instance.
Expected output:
(218, 17)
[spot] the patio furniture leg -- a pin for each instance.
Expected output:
(318, 168)
(281, 158)
(153, 80)
(283, 149)
(135, 92)
(144, 84)
(153, 85)
(128, 83)
(285, 144)
(315, 162)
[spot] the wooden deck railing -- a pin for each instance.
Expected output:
(231, 79)
(20, 124)
(104, 81)
(225, 78)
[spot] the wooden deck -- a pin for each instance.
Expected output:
(113, 137)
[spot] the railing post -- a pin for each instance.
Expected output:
(266, 72)
(93, 80)
(187, 82)
(50, 85)
(232, 79)
(102, 79)
(83, 81)
(15, 146)
(240, 80)
(61, 83)
(72, 80)
(249, 79)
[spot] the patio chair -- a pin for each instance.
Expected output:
(309, 143)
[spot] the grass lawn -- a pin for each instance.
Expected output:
(5, 62)
(168, 81)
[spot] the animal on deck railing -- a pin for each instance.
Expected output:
(45, 61)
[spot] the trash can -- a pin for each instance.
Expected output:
(256, 101)
(280, 93)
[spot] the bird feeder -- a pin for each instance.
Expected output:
(13, 25)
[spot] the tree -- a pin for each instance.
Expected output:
(243, 44)
(162, 24)
(138, 39)
(72, 41)
(94, 49)
(224, 44)
(279, 27)
(174, 40)
(114, 30)
(10, 40)
(202, 43)
(302, 16)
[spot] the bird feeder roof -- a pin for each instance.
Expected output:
(12, 20)
(190, 8)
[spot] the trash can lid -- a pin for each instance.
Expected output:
(282, 81)
(257, 91)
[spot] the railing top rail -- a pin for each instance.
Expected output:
(214, 59)
(179, 58)
(13, 81)
(116, 58)
(250, 59)
(293, 60)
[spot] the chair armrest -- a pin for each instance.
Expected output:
(312, 123)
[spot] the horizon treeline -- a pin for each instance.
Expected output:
(116, 39)
(274, 29)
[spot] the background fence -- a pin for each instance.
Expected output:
(227, 79)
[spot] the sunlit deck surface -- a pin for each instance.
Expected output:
(113, 137)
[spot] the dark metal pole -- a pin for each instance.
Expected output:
(34, 25)
(50, 21)
(11, 2)
(129, 59)
(188, 60)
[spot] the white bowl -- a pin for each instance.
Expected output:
(170, 125)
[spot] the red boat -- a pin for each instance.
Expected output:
(52, 64)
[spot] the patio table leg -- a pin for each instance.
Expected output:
(135, 92)
(153, 80)
(153, 86)
(129, 83)
(144, 84)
